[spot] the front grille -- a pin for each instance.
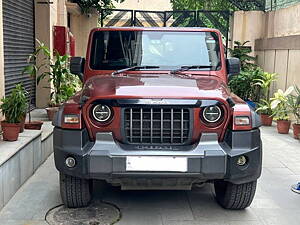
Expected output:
(157, 125)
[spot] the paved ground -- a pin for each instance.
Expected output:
(274, 203)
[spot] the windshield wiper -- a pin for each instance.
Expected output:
(186, 68)
(133, 68)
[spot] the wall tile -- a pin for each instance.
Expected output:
(26, 162)
(11, 177)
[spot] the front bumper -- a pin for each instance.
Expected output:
(207, 160)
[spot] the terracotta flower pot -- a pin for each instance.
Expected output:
(51, 111)
(34, 125)
(296, 129)
(266, 120)
(283, 126)
(22, 124)
(10, 131)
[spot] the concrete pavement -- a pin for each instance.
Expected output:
(274, 203)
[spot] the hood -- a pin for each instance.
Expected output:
(138, 86)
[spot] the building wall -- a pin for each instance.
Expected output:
(275, 39)
(247, 26)
(81, 25)
(46, 16)
(2, 89)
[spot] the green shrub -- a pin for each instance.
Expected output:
(279, 104)
(15, 105)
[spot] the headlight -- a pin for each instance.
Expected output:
(102, 113)
(212, 114)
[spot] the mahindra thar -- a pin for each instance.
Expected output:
(155, 113)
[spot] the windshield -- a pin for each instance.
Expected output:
(113, 50)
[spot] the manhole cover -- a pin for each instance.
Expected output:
(97, 213)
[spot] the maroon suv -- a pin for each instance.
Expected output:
(155, 113)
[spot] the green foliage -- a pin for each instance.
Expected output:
(264, 107)
(280, 105)
(63, 83)
(87, 6)
(245, 85)
(294, 103)
(264, 82)
(14, 106)
(242, 52)
(32, 69)
(215, 5)
(202, 5)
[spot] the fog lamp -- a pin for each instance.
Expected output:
(242, 160)
(70, 162)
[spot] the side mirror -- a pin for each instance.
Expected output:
(77, 66)
(233, 66)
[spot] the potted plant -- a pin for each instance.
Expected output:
(32, 70)
(281, 110)
(264, 82)
(265, 110)
(294, 104)
(13, 107)
(245, 85)
(64, 84)
(242, 51)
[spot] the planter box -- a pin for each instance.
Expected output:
(20, 159)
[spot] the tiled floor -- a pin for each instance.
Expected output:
(274, 203)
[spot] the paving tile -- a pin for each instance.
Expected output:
(11, 177)
(205, 208)
(26, 162)
(176, 214)
(279, 216)
(245, 223)
(281, 171)
(241, 215)
(197, 222)
(295, 170)
(23, 222)
(264, 203)
(147, 199)
(139, 217)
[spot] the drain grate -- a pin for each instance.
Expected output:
(98, 213)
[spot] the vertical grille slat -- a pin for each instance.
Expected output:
(131, 125)
(157, 125)
(181, 124)
(141, 131)
(151, 128)
(162, 125)
(172, 125)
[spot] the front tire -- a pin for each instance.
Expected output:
(75, 192)
(234, 196)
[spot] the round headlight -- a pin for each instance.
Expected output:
(101, 113)
(212, 114)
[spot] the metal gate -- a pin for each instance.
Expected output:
(141, 18)
(19, 42)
